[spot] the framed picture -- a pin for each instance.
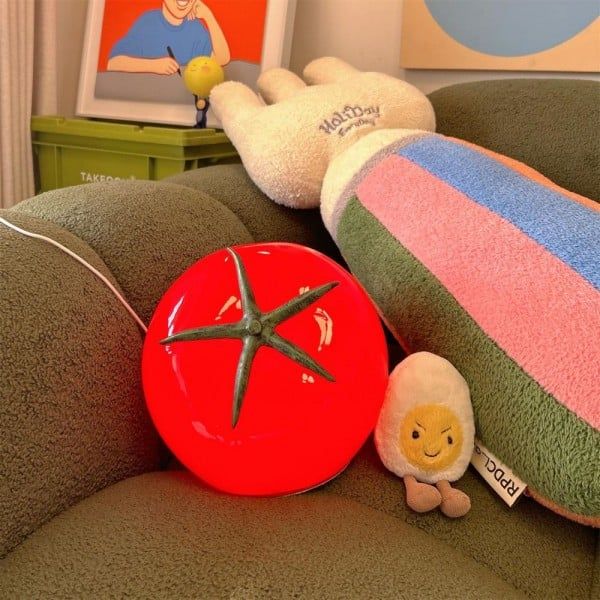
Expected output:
(136, 51)
(514, 35)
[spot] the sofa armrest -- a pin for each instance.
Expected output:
(72, 416)
(549, 124)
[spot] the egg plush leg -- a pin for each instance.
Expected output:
(454, 502)
(421, 497)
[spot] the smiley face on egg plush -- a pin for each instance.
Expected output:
(431, 437)
(425, 433)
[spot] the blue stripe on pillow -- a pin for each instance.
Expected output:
(569, 230)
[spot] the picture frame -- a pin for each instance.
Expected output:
(501, 35)
(109, 93)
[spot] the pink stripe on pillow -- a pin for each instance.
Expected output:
(543, 314)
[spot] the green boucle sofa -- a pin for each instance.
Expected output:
(91, 503)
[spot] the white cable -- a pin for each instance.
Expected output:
(78, 258)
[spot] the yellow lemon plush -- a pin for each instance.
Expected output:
(425, 432)
(202, 74)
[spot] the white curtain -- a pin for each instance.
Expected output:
(27, 83)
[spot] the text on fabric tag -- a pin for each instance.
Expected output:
(500, 478)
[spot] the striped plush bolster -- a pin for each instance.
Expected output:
(482, 260)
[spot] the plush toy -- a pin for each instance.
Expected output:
(200, 76)
(467, 254)
(425, 433)
(287, 146)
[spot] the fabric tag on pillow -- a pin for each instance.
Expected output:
(500, 478)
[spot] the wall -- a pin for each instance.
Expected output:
(366, 33)
(70, 29)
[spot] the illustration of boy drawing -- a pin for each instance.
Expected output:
(177, 26)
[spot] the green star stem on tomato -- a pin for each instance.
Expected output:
(257, 329)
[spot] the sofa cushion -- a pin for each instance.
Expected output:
(535, 550)
(266, 220)
(164, 535)
(549, 124)
(147, 232)
(72, 416)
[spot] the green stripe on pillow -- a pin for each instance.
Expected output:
(553, 450)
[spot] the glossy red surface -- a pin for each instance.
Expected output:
(296, 429)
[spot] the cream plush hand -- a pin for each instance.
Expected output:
(287, 142)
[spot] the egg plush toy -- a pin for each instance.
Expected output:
(425, 432)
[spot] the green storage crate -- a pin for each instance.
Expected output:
(75, 151)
